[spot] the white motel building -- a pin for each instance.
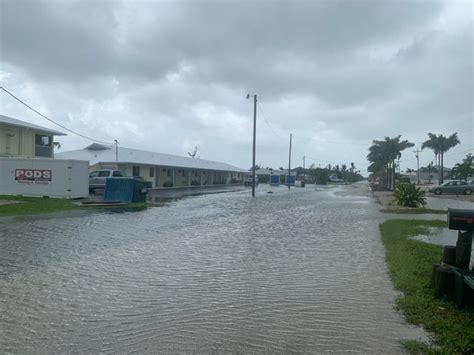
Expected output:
(162, 170)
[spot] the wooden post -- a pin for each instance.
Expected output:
(449, 255)
(443, 281)
(463, 250)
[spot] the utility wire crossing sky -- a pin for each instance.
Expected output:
(169, 76)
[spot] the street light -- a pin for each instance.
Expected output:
(254, 139)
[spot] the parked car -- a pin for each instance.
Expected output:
(248, 180)
(97, 178)
(454, 187)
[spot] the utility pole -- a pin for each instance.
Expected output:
(289, 165)
(304, 169)
(254, 139)
(417, 151)
(116, 150)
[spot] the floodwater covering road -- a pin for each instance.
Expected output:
(298, 271)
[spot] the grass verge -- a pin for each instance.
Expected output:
(33, 205)
(413, 211)
(36, 205)
(410, 266)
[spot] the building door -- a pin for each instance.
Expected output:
(135, 171)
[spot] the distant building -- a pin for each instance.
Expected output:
(21, 139)
(426, 177)
(27, 166)
(162, 170)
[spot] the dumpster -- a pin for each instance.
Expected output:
(290, 180)
(127, 189)
(275, 180)
(140, 190)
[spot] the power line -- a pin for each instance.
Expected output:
(259, 107)
(50, 120)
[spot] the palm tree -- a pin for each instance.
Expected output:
(465, 169)
(382, 155)
(395, 153)
(434, 144)
(378, 161)
(440, 144)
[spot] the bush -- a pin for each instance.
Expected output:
(263, 179)
(234, 181)
(195, 183)
(167, 184)
(408, 195)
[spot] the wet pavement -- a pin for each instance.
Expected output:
(289, 271)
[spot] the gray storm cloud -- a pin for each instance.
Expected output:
(167, 75)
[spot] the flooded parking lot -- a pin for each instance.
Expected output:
(292, 271)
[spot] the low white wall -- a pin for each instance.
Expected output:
(44, 177)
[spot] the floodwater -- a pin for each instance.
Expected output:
(289, 272)
(442, 236)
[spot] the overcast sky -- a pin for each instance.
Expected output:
(166, 76)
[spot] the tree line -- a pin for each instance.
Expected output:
(347, 173)
(317, 175)
(384, 154)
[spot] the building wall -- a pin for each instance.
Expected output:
(165, 174)
(17, 141)
(180, 177)
(206, 177)
(195, 175)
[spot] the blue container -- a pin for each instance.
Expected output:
(119, 189)
(290, 180)
(275, 180)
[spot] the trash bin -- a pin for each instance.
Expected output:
(140, 190)
(126, 189)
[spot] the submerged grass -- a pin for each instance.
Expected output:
(410, 266)
(33, 205)
(36, 205)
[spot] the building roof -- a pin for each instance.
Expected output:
(272, 172)
(14, 122)
(97, 153)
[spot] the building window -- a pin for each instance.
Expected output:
(43, 146)
(136, 171)
(152, 172)
(184, 173)
(168, 172)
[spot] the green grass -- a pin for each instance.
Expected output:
(410, 266)
(35, 205)
(135, 206)
(413, 211)
(32, 205)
